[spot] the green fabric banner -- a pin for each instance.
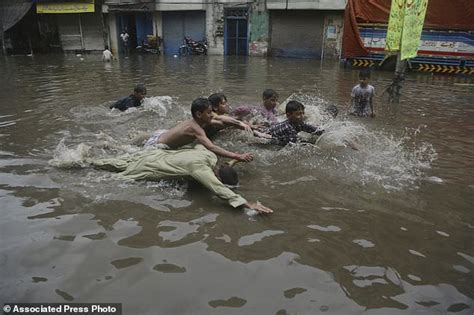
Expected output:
(395, 26)
(415, 11)
(405, 26)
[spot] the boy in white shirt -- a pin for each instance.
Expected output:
(362, 97)
(107, 55)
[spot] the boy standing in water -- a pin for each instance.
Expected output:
(362, 97)
(107, 55)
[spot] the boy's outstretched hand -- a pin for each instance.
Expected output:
(245, 157)
(258, 207)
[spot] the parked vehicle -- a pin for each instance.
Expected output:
(192, 47)
(150, 46)
(144, 48)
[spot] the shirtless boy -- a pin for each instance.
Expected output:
(192, 129)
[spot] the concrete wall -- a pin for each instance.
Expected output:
(113, 33)
(306, 4)
(259, 29)
(333, 24)
(215, 28)
(180, 5)
(158, 24)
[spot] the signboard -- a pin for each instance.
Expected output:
(449, 43)
(331, 32)
(65, 7)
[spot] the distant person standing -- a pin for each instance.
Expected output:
(125, 41)
(362, 97)
(133, 100)
(107, 55)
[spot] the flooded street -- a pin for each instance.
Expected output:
(387, 229)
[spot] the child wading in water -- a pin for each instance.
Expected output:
(362, 97)
(265, 115)
(221, 119)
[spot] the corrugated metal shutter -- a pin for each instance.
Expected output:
(296, 33)
(177, 24)
(92, 31)
(70, 31)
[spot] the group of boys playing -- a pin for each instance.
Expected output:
(162, 159)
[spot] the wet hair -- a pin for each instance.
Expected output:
(199, 105)
(364, 74)
(140, 88)
(228, 175)
(332, 110)
(269, 93)
(293, 106)
(216, 99)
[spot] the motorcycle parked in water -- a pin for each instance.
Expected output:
(150, 46)
(147, 49)
(192, 47)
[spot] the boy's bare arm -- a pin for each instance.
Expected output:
(372, 106)
(216, 122)
(229, 121)
(204, 140)
(351, 103)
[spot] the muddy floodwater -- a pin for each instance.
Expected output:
(386, 229)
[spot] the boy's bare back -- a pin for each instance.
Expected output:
(182, 134)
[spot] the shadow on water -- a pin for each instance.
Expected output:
(384, 229)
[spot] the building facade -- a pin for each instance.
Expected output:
(281, 28)
(285, 28)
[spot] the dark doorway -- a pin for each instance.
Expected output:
(127, 23)
(236, 33)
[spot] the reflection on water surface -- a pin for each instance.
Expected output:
(386, 229)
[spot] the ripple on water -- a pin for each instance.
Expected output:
(169, 268)
(414, 252)
(231, 302)
(257, 237)
(126, 262)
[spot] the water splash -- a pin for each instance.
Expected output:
(158, 104)
(65, 157)
(351, 150)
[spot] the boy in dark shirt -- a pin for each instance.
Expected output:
(133, 100)
(287, 131)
